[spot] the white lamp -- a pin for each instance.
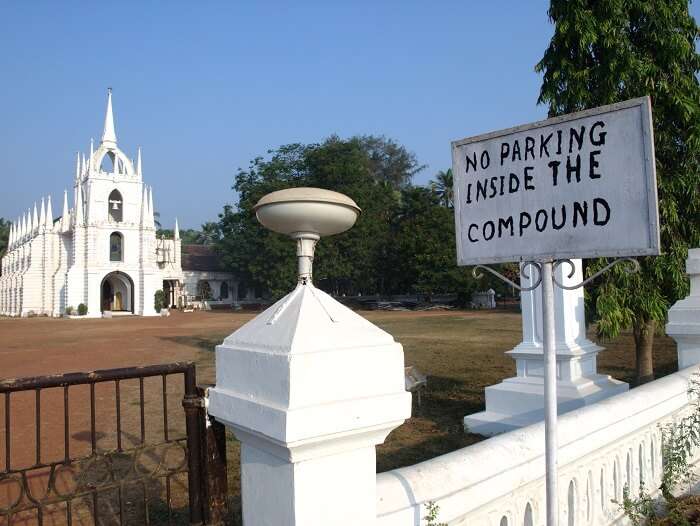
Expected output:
(306, 214)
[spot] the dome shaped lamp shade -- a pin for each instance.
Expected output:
(306, 214)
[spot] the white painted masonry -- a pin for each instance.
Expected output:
(309, 388)
(684, 317)
(601, 448)
(519, 401)
(55, 263)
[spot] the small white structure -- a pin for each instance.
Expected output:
(519, 401)
(485, 299)
(684, 317)
(204, 279)
(287, 384)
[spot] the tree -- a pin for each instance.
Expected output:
(371, 170)
(209, 234)
(605, 52)
(389, 161)
(443, 187)
(189, 236)
(4, 237)
(422, 247)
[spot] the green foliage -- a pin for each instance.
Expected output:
(69, 310)
(679, 440)
(159, 300)
(422, 249)
(403, 240)
(4, 236)
(640, 510)
(606, 52)
(208, 235)
(432, 512)
(443, 187)
(82, 309)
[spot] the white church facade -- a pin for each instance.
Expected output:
(103, 252)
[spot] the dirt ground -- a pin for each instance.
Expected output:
(461, 351)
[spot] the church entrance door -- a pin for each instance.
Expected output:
(106, 296)
(118, 292)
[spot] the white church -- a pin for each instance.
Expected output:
(103, 252)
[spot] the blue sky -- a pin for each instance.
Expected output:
(205, 87)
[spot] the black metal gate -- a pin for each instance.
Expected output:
(73, 469)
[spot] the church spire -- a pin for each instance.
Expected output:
(35, 219)
(11, 240)
(49, 214)
(42, 214)
(138, 163)
(151, 212)
(176, 233)
(109, 137)
(144, 206)
(64, 215)
(79, 206)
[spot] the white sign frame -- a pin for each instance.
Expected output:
(569, 252)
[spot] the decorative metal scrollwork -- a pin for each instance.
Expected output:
(534, 264)
(99, 473)
(632, 266)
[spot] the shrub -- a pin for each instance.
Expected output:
(82, 309)
(679, 441)
(159, 300)
(432, 513)
(69, 310)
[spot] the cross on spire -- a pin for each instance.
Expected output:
(109, 136)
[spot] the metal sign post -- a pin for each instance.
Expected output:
(550, 392)
(546, 277)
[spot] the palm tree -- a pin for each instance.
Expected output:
(209, 234)
(443, 187)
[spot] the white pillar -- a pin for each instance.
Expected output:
(684, 317)
(519, 401)
(309, 388)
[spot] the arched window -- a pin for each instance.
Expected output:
(204, 290)
(224, 291)
(116, 247)
(115, 205)
(242, 291)
(107, 162)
